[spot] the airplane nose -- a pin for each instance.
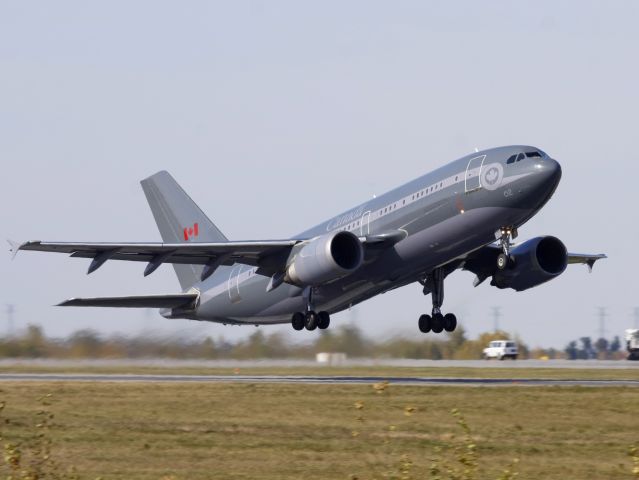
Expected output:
(550, 170)
(545, 180)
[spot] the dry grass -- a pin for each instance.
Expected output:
(267, 431)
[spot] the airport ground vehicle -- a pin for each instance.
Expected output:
(501, 349)
(632, 343)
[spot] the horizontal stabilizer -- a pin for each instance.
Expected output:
(139, 301)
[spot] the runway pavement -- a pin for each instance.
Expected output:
(286, 363)
(293, 379)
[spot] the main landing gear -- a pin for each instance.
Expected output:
(310, 319)
(437, 322)
(505, 236)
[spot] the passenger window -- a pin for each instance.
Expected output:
(511, 159)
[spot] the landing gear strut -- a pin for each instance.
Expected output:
(434, 284)
(310, 319)
(505, 235)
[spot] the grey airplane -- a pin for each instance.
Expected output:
(464, 215)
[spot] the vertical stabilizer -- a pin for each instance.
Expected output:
(179, 220)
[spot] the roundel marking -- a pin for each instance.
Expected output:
(492, 176)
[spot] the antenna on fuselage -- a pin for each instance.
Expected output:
(476, 150)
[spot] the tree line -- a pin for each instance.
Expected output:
(348, 338)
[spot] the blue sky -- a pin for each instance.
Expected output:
(277, 115)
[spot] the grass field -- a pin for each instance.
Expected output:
(242, 431)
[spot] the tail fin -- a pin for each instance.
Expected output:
(179, 220)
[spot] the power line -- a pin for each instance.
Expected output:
(496, 316)
(10, 310)
(603, 314)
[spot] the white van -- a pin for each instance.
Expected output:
(501, 349)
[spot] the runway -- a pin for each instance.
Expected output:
(332, 380)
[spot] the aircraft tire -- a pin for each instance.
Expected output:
(298, 321)
(502, 261)
(324, 320)
(311, 321)
(424, 323)
(450, 322)
(437, 323)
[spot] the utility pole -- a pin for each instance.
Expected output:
(603, 314)
(496, 316)
(10, 310)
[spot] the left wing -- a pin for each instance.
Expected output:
(212, 255)
(269, 256)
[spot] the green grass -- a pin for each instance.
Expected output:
(268, 431)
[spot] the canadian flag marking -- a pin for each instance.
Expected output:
(191, 232)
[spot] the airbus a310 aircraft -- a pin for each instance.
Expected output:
(463, 215)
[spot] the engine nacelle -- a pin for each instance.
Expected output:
(535, 262)
(326, 258)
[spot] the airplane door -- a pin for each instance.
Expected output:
(473, 173)
(364, 225)
(233, 284)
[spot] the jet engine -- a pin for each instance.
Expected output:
(533, 263)
(325, 258)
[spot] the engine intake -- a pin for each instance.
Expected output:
(535, 262)
(325, 258)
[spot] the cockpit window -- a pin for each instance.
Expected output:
(521, 156)
(511, 159)
(533, 154)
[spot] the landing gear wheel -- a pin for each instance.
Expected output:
(424, 323)
(450, 322)
(324, 320)
(502, 261)
(437, 323)
(298, 321)
(311, 320)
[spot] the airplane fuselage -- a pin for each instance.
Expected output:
(442, 216)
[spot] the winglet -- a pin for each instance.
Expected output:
(14, 247)
(587, 259)
(591, 261)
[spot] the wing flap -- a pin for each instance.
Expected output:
(138, 301)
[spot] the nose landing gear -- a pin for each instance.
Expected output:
(436, 322)
(505, 235)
